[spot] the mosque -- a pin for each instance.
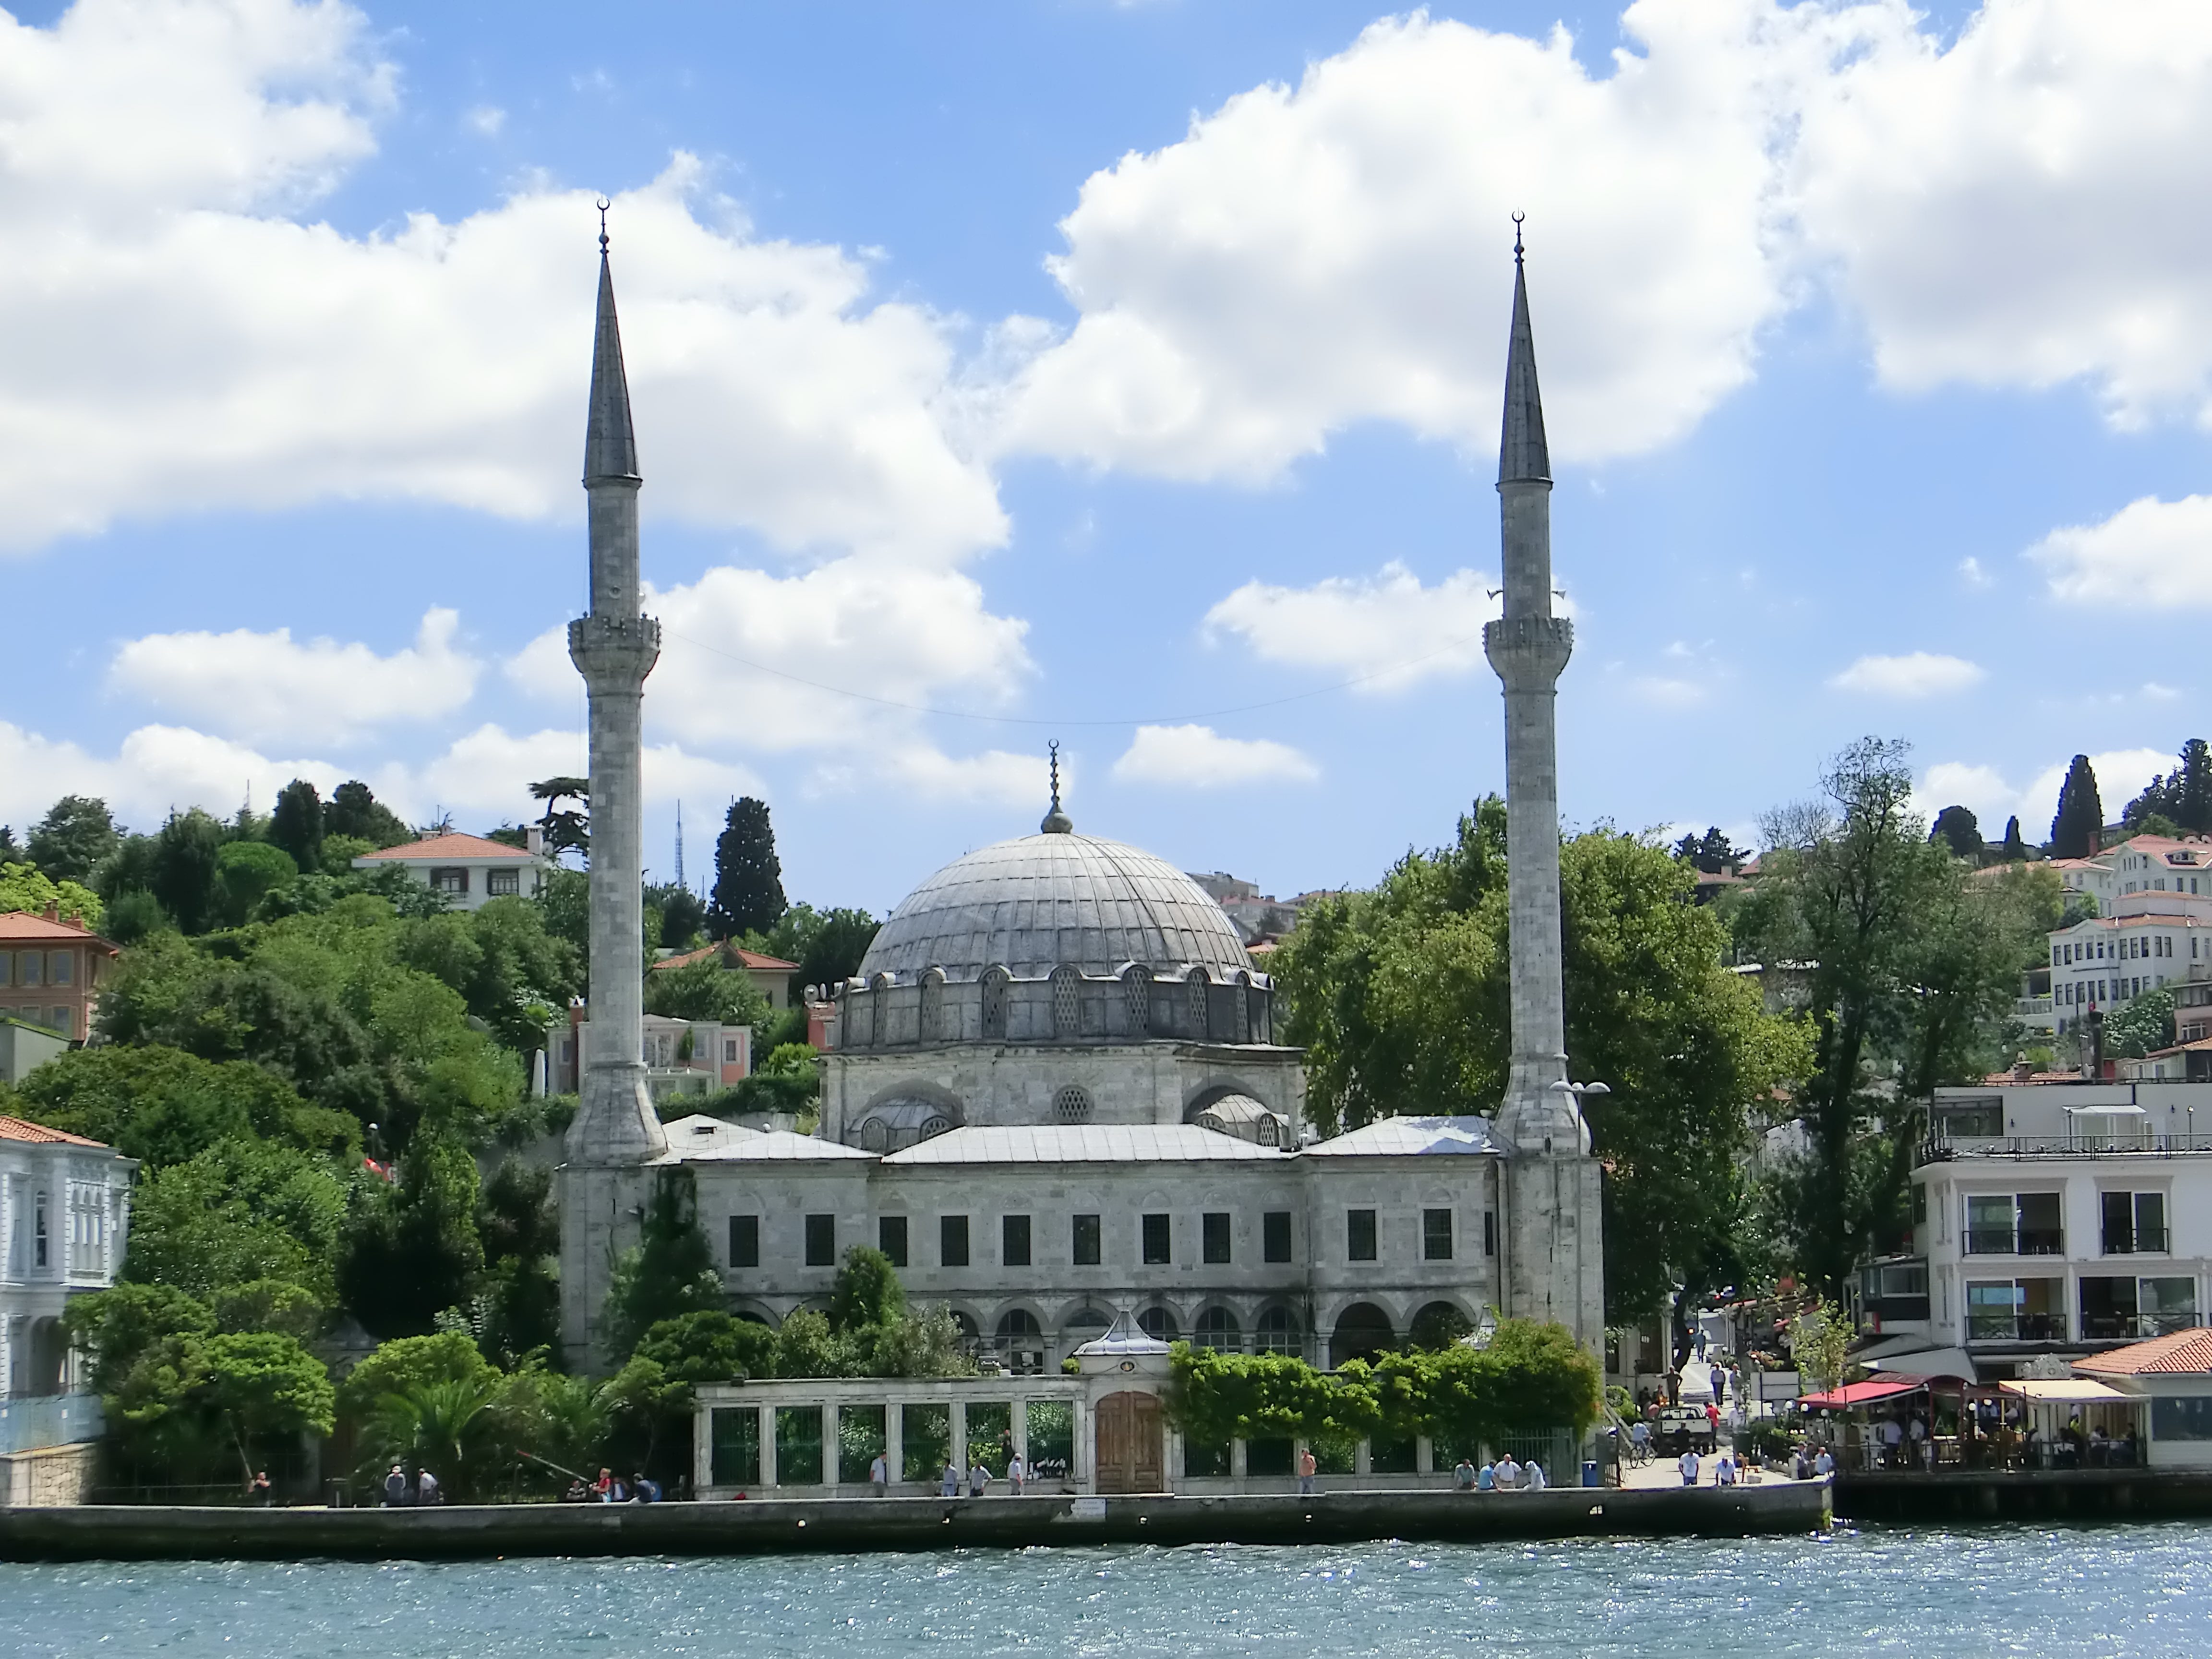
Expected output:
(1054, 1094)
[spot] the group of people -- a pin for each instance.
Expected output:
(400, 1492)
(948, 1484)
(1507, 1475)
(612, 1488)
(1727, 1471)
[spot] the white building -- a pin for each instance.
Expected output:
(682, 1056)
(469, 871)
(65, 1217)
(2052, 1219)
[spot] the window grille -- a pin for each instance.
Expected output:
(1195, 988)
(932, 1005)
(1070, 1105)
(1067, 1002)
(1137, 993)
(994, 1003)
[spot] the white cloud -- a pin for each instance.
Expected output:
(1971, 573)
(2150, 553)
(995, 776)
(268, 686)
(2121, 775)
(1670, 691)
(1388, 629)
(487, 773)
(1309, 257)
(179, 342)
(1199, 757)
(2013, 209)
(156, 768)
(485, 120)
(1919, 674)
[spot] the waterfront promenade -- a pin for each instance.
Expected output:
(779, 1525)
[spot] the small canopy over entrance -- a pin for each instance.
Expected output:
(1864, 1393)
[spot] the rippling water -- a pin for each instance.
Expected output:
(2144, 1590)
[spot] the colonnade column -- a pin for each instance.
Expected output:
(767, 1446)
(893, 1443)
(830, 1471)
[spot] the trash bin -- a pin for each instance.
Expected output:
(1590, 1473)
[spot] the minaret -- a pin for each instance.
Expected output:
(1553, 1266)
(614, 648)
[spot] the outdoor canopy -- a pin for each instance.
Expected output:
(1864, 1393)
(2064, 1390)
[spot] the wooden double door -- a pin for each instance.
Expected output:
(1130, 1444)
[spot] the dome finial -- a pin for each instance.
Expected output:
(1056, 823)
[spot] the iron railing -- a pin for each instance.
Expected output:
(29, 1422)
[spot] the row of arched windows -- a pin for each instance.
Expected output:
(1237, 1011)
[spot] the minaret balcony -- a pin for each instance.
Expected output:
(614, 652)
(1529, 652)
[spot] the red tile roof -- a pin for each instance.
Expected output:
(13, 1128)
(22, 925)
(449, 846)
(2185, 1351)
(753, 960)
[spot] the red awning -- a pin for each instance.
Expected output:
(1863, 1394)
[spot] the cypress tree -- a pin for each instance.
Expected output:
(2014, 848)
(1961, 828)
(2074, 832)
(296, 825)
(748, 876)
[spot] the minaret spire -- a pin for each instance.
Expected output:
(1553, 1265)
(616, 1129)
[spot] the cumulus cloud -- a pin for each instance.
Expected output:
(2006, 211)
(1199, 757)
(270, 687)
(488, 773)
(154, 769)
(1389, 629)
(1309, 257)
(1919, 674)
(2150, 553)
(182, 339)
(2121, 775)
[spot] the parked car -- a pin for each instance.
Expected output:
(1680, 1429)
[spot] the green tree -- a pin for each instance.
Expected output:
(246, 871)
(274, 1305)
(706, 990)
(260, 1387)
(567, 830)
(709, 1347)
(76, 836)
(1957, 828)
(408, 1362)
(240, 1211)
(748, 896)
(564, 907)
(827, 944)
(2139, 1025)
(670, 1272)
(449, 1426)
(1712, 853)
(2076, 831)
(185, 863)
(2015, 849)
(522, 1241)
(2182, 797)
(25, 888)
(683, 916)
(412, 1249)
(164, 1106)
(115, 1329)
(866, 1292)
(133, 916)
(807, 1345)
(1913, 963)
(354, 810)
(296, 825)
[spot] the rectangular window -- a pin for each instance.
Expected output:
(729, 1051)
(1213, 1236)
(1157, 1252)
(59, 966)
(2042, 1233)
(503, 883)
(1275, 1235)
(30, 968)
(7, 968)
(2164, 1306)
(1013, 1240)
(2181, 1416)
(822, 1241)
(952, 1241)
(1085, 1240)
(449, 881)
(744, 1241)
(1359, 1235)
(1919, 1202)
(1436, 1235)
(38, 1244)
(890, 1238)
(1490, 1232)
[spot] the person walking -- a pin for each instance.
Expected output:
(1689, 1465)
(1824, 1464)
(1307, 1469)
(1016, 1474)
(979, 1478)
(395, 1488)
(879, 1475)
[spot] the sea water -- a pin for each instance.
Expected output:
(2134, 1589)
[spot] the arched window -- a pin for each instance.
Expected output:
(1070, 1105)
(878, 1015)
(1158, 1324)
(1241, 1015)
(1278, 1332)
(1021, 1341)
(1363, 1330)
(1217, 1328)
(1067, 1002)
(1195, 988)
(932, 1005)
(875, 1135)
(1263, 1015)
(994, 1004)
(1137, 999)
(1439, 1325)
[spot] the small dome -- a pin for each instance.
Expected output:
(1038, 901)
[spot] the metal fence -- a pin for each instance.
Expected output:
(29, 1422)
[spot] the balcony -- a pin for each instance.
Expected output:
(2134, 1328)
(2016, 1241)
(2017, 1328)
(2140, 1241)
(1944, 1149)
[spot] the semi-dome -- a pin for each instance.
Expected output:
(1034, 902)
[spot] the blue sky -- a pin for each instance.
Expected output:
(1094, 367)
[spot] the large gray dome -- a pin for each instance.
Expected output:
(1037, 901)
